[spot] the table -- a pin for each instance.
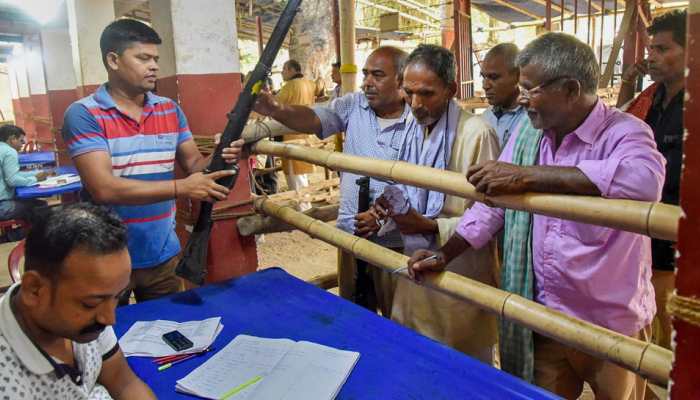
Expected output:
(31, 192)
(395, 363)
(37, 157)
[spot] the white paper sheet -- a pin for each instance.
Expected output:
(281, 369)
(145, 338)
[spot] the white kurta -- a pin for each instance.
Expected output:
(454, 322)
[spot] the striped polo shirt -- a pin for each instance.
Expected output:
(143, 150)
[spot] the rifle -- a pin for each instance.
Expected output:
(364, 294)
(193, 265)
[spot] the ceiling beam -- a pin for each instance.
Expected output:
(402, 14)
(515, 8)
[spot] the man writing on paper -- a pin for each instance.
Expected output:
(125, 142)
(452, 139)
(575, 144)
(375, 123)
(56, 338)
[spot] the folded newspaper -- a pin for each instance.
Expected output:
(145, 338)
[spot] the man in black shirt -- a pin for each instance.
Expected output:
(661, 106)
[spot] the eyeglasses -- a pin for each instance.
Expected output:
(527, 93)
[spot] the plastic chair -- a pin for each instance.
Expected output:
(14, 260)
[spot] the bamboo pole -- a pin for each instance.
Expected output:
(348, 69)
(657, 220)
(646, 359)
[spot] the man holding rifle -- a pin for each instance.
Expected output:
(125, 142)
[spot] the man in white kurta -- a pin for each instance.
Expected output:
(451, 139)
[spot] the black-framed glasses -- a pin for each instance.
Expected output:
(527, 93)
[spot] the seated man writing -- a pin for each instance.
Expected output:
(571, 143)
(11, 141)
(56, 339)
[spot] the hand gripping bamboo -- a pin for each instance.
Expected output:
(646, 359)
(657, 220)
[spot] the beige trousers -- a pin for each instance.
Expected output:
(562, 370)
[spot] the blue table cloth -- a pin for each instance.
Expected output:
(37, 157)
(395, 363)
(31, 192)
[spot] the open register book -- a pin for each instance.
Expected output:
(254, 368)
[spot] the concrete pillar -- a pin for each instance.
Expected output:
(200, 69)
(14, 93)
(311, 39)
(26, 110)
(60, 76)
(37, 92)
(86, 20)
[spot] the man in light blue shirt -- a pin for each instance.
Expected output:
(375, 123)
(501, 76)
(11, 140)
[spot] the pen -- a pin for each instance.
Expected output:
(398, 270)
(187, 357)
(166, 359)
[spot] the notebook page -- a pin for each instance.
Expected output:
(309, 371)
(242, 360)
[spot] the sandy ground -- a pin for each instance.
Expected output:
(297, 253)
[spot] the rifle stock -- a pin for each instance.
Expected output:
(193, 265)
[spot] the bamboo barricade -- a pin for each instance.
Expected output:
(646, 359)
(657, 220)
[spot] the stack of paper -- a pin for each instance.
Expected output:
(60, 180)
(145, 338)
(254, 368)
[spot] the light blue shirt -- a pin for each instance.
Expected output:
(12, 177)
(508, 121)
(363, 137)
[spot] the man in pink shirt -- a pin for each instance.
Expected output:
(578, 145)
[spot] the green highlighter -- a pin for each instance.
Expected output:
(240, 387)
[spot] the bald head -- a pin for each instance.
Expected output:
(508, 51)
(381, 80)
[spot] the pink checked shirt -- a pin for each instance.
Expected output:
(598, 274)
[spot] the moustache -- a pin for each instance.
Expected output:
(95, 328)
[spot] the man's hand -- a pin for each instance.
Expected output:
(414, 222)
(494, 178)
(418, 265)
(203, 187)
(233, 153)
(634, 71)
(41, 176)
(266, 104)
(366, 223)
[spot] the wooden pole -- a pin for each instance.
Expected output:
(646, 359)
(336, 28)
(575, 17)
(590, 15)
(653, 219)
(602, 33)
(686, 368)
(625, 27)
(548, 19)
(259, 32)
(561, 15)
(348, 69)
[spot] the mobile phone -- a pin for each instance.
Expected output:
(177, 341)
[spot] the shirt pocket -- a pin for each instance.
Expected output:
(587, 234)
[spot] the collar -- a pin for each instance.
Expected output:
(28, 353)
(404, 116)
(657, 101)
(105, 101)
(589, 130)
(498, 111)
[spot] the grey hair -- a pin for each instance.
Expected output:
(558, 55)
(508, 51)
(437, 58)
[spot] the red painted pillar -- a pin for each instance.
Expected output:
(201, 71)
(686, 368)
(629, 51)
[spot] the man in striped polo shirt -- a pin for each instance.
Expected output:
(125, 142)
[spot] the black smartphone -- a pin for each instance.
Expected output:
(177, 341)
